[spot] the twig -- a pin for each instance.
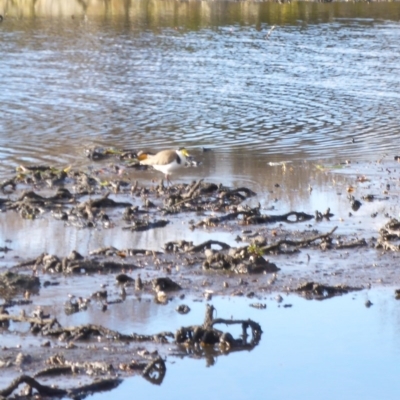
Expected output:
(296, 243)
(207, 245)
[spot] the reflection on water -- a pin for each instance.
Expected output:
(336, 346)
(196, 14)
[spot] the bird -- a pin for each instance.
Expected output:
(166, 161)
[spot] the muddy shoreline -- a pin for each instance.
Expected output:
(303, 252)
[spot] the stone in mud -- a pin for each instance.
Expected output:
(355, 205)
(19, 282)
(183, 309)
(256, 265)
(165, 284)
(123, 279)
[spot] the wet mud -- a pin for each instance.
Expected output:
(304, 252)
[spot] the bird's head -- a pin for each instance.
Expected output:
(182, 151)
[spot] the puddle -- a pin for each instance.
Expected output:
(306, 345)
(340, 345)
(305, 186)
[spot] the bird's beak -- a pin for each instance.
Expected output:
(185, 153)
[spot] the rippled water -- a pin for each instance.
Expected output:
(316, 83)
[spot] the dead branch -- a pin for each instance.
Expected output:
(296, 243)
(32, 320)
(262, 219)
(207, 334)
(54, 371)
(143, 225)
(207, 245)
(90, 330)
(352, 244)
(104, 201)
(188, 196)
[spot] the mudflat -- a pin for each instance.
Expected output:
(317, 254)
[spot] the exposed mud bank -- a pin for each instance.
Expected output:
(300, 251)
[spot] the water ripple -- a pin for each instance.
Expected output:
(305, 92)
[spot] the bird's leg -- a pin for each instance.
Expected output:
(169, 182)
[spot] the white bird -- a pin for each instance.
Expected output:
(166, 161)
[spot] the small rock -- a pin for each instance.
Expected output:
(183, 309)
(166, 284)
(122, 279)
(279, 298)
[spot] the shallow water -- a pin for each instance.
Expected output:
(326, 74)
(337, 346)
(322, 89)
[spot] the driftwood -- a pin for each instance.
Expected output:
(263, 219)
(55, 371)
(87, 331)
(352, 244)
(207, 245)
(93, 266)
(213, 221)
(104, 201)
(228, 193)
(189, 196)
(178, 245)
(253, 216)
(222, 198)
(296, 243)
(206, 334)
(144, 225)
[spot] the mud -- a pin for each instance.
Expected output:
(275, 253)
